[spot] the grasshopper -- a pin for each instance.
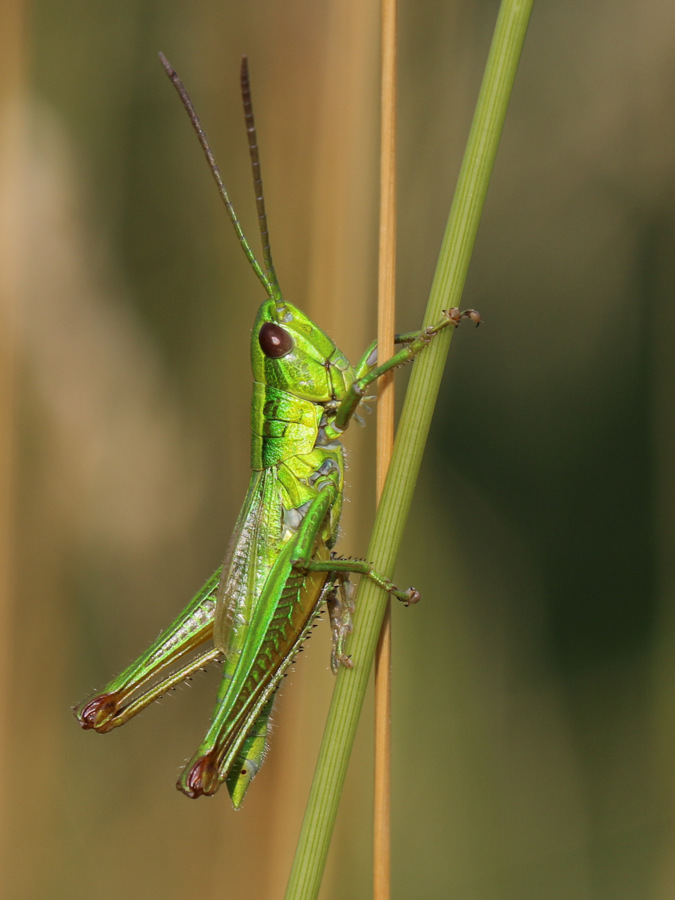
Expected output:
(255, 611)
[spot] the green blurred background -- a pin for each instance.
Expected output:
(534, 685)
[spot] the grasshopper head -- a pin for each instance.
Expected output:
(291, 353)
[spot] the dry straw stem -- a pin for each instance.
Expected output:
(446, 291)
(386, 316)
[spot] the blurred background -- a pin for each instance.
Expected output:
(534, 686)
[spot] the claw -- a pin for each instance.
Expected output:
(456, 316)
(343, 660)
(413, 596)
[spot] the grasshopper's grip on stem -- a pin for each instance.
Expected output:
(414, 342)
(254, 613)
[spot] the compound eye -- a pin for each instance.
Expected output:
(275, 342)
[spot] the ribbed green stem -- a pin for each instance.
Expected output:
(446, 291)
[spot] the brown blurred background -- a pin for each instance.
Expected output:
(534, 686)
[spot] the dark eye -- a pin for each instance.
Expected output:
(274, 341)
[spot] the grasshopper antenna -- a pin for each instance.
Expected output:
(257, 182)
(269, 283)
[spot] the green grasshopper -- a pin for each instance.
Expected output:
(257, 609)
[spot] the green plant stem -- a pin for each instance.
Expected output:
(446, 291)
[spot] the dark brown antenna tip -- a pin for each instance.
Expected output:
(168, 68)
(257, 176)
(271, 288)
